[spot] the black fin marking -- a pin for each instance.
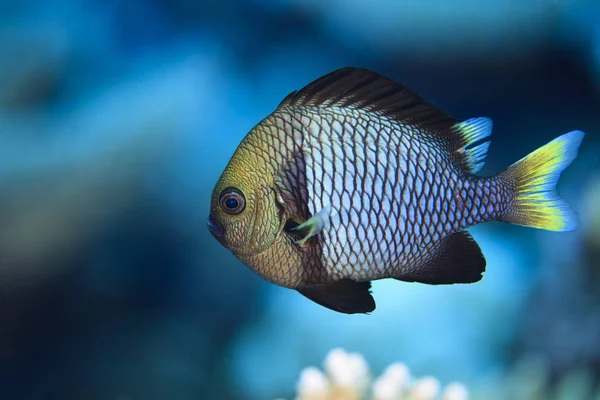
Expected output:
(287, 98)
(472, 131)
(456, 259)
(345, 296)
(360, 88)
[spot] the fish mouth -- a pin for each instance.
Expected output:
(213, 227)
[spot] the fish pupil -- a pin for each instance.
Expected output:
(232, 200)
(231, 203)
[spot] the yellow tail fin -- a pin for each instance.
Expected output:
(534, 179)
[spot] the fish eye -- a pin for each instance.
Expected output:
(232, 201)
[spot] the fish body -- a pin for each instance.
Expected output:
(355, 178)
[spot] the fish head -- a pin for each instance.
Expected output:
(244, 215)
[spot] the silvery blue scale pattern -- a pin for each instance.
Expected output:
(392, 192)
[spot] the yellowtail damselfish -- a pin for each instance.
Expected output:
(356, 178)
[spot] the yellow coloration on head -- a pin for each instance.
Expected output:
(254, 233)
(254, 229)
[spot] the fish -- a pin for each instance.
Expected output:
(356, 178)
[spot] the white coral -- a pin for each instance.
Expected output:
(347, 377)
(392, 383)
(455, 391)
(348, 370)
(313, 384)
(427, 388)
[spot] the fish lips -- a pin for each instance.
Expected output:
(214, 228)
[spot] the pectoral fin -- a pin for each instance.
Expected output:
(311, 227)
(456, 259)
(345, 296)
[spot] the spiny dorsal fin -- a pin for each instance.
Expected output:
(359, 88)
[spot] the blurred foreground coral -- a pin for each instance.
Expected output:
(347, 377)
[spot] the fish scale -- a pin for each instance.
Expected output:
(339, 153)
(355, 178)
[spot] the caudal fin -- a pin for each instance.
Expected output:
(533, 181)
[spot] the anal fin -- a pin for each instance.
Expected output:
(344, 296)
(456, 259)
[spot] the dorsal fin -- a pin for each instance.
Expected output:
(471, 155)
(359, 88)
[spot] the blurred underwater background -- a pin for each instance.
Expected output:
(117, 118)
